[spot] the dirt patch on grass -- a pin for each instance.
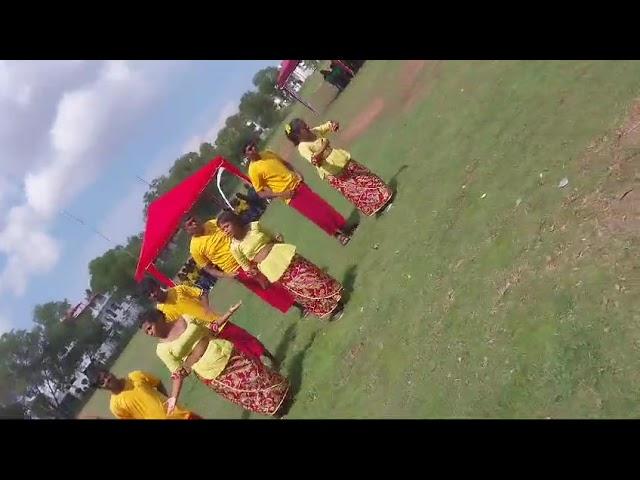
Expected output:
(616, 212)
(619, 216)
(414, 85)
(412, 91)
(354, 353)
(349, 363)
(364, 120)
(614, 207)
(409, 74)
(557, 257)
(510, 281)
(449, 300)
(629, 133)
(602, 216)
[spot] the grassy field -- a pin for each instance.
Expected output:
(487, 291)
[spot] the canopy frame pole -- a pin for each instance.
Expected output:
(297, 97)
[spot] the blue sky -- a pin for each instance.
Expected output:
(73, 136)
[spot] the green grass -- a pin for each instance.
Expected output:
(515, 304)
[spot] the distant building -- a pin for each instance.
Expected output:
(302, 72)
(111, 313)
(77, 310)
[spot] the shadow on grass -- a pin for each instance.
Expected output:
(289, 336)
(295, 375)
(393, 182)
(353, 220)
(295, 370)
(335, 97)
(348, 282)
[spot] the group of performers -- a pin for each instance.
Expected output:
(193, 338)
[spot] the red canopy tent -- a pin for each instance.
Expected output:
(166, 212)
(282, 82)
(287, 68)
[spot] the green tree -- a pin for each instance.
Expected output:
(11, 384)
(207, 152)
(259, 108)
(233, 136)
(156, 188)
(184, 166)
(56, 349)
(33, 363)
(265, 82)
(237, 122)
(114, 270)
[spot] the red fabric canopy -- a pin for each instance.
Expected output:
(288, 66)
(166, 212)
(286, 69)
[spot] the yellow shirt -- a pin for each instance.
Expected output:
(193, 277)
(185, 300)
(334, 159)
(243, 206)
(275, 264)
(213, 247)
(270, 172)
(212, 362)
(141, 400)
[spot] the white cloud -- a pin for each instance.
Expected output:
(88, 121)
(28, 248)
(71, 116)
(29, 96)
(7, 191)
(210, 134)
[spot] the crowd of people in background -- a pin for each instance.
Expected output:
(338, 76)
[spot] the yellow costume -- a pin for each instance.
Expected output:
(334, 159)
(185, 300)
(193, 277)
(272, 173)
(276, 262)
(213, 247)
(141, 400)
(173, 353)
(242, 207)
